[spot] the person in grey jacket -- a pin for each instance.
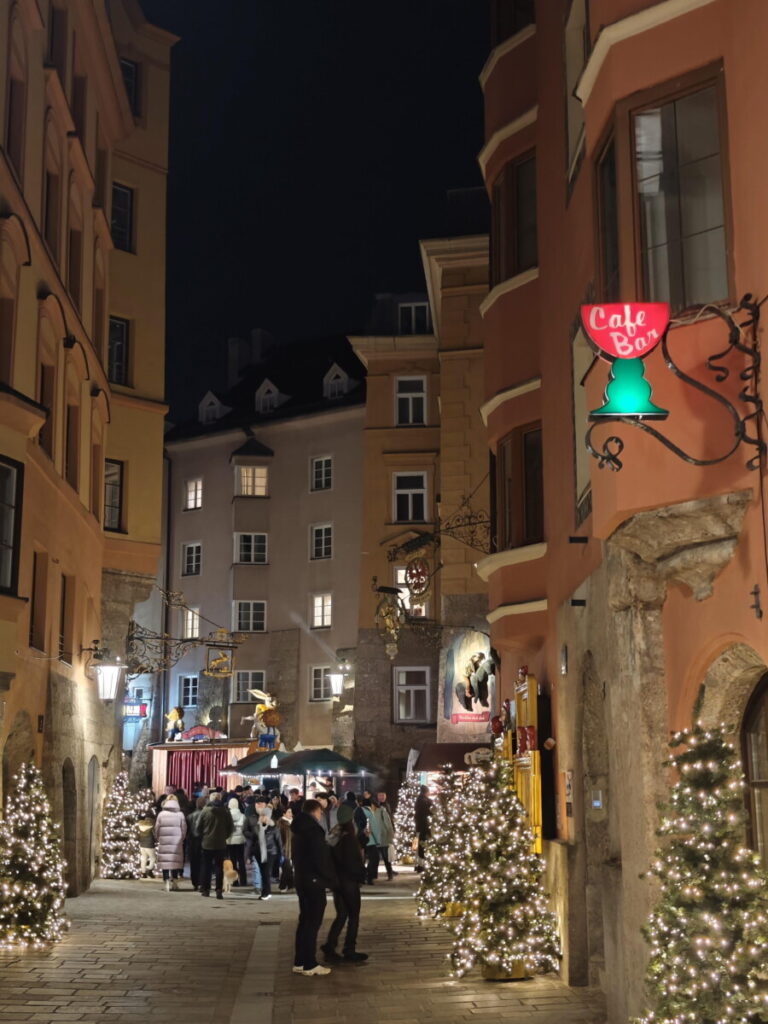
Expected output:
(215, 826)
(236, 842)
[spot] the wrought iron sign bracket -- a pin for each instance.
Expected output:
(745, 427)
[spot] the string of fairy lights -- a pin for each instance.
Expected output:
(404, 813)
(120, 851)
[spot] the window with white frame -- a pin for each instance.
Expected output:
(266, 399)
(252, 481)
(322, 610)
(337, 386)
(412, 695)
(250, 616)
(193, 493)
(245, 680)
(321, 541)
(321, 473)
(410, 497)
(320, 688)
(191, 559)
(251, 548)
(188, 691)
(414, 318)
(190, 623)
(415, 606)
(411, 395)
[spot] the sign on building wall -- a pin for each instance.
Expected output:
(468, 698)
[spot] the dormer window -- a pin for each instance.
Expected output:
(336, 382)
(414, 318)
(210, 409)
(209, 413)
(268, 397)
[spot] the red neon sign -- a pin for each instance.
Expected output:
(625, 330)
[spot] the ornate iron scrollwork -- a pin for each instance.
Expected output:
(742, 425)
(469, 526)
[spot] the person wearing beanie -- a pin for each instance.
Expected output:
(170, 831)
(350, 868)
(214, 826)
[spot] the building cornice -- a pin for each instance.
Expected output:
(502, 50)
(503, 611)
(626, 28)
(514, 556)
(507, 395)
(510, 285)
(502, 134)
(439, 254)
(392, 346)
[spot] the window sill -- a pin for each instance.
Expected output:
(321, 558)
(187, 575)
(115, 529)
(319, 629)
(250, 497)
(405, 426)
(251, 563)
(421, 725)
(197, 508)
(321, 700)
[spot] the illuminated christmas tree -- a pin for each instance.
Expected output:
(506, 925)
(32, 885)
(709, 931)
(405, 825)
(120, 851)
(445, 852)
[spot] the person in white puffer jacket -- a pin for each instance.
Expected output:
(236, 842)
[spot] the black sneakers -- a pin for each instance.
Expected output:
(356, 958)
(330, 955)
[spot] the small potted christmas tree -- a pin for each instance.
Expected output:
(506, 927)
(120, 851)
(32, 884)
(709, 930)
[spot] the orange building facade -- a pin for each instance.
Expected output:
(623, 165)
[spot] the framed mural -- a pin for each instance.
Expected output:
(469, 692)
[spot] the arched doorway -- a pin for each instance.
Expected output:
(754, 745)
(69, 793)
(94, 814)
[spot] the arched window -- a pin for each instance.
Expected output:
(75, 244)
(754, 739)
(9, 282)
(98, 328)
(52, 191)
(16, 94)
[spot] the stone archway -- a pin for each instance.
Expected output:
(19, 748)
(728, 684)
(69, 794)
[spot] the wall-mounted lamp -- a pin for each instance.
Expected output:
(106, 668)
(336, 679)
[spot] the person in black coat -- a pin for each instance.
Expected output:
(314, 872)
(422, 811)
(350, 868)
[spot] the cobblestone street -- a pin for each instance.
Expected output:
(135, 953)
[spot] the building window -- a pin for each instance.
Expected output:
(190, 623)
(520, 488)
(322, 611)
(608, 223)
(252, 481)
(47, 398)
(113, 494)
(412, 695)
(191, 559)
(582, 359)
(75, 264)
(576, 48)
(754, 740)
(508, 17)
(193, 494)
(72, 448)
(67, 619)
(514, 242)
(411, 401)
(245, 680)
(14, 124)
(188, 690)
(251, 548)
(250, 616)
(321, 541)
(337, 386)
(321, 474)
(414, 318)
(10, 524)
(410, 497)
(51, 213)
(117, 356)
(122, 217)
(130, 70)
(321, 684)
(79, 104)
(7, 329)
(415, 607)
(38, 605)
(266, 400)
(678, 178)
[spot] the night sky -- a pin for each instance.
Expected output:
(312, 145)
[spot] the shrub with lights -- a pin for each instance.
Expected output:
(446, 849)
(506, 926)
(32, 887)
(405, 822)
(709, 930)
(120, 851)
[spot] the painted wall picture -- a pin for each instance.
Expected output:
(469, 695)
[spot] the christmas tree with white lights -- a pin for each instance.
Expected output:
(506, 926)
(405, 821)
(120, 851)
(32, 885)
(445, 852)
(709, 930)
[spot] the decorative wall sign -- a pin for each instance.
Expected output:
(418, 576)
(221, 662)
(624, 334)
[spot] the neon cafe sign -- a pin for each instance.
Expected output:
(624, 334)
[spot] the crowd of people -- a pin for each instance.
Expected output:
(251, 837)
